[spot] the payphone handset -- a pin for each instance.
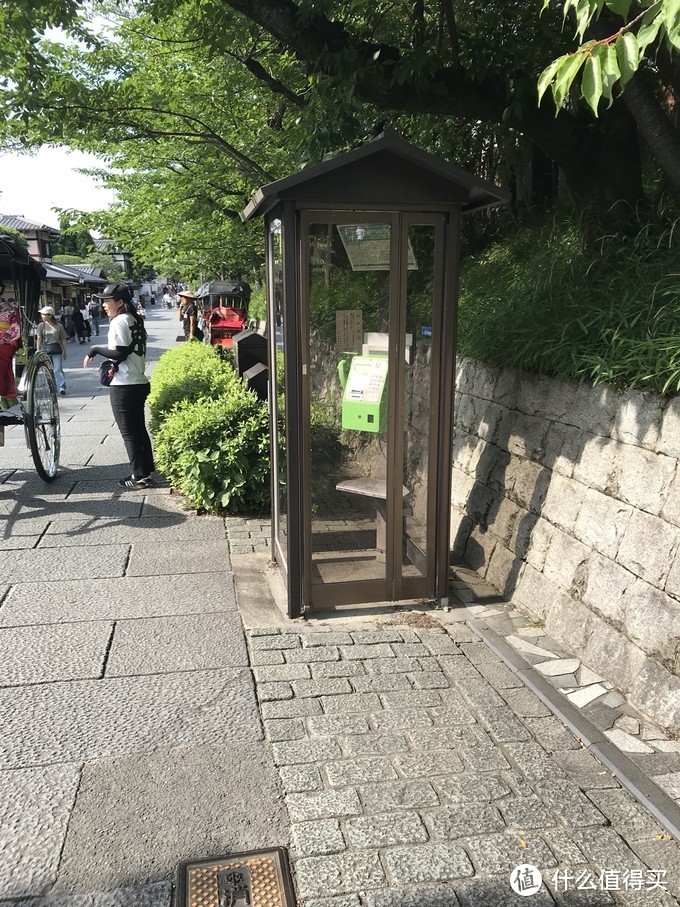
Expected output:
(364, 399)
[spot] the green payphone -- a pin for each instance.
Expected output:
(364, 399)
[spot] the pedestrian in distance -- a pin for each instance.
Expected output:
(188, 315)
(79, 323)
(126, 346)
(67, 319)
(51, 338)
(95, 314)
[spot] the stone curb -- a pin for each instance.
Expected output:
(645, 791)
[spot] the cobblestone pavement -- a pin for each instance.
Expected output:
(419, 771)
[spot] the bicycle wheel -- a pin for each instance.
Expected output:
(42, 419)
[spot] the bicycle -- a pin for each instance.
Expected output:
(39, 405)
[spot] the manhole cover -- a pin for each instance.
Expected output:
(257, 878)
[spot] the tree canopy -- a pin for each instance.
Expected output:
(192, 104)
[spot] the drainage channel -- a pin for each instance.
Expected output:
(646, 792)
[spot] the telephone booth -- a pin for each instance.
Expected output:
(362, 274)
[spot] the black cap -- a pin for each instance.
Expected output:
(117, 291)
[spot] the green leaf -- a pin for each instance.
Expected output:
(648, 33)
(591, 85)
(671, 15)
(566, 75)
(620, 7)
(610, 72)
(628, 56)
(547, 76)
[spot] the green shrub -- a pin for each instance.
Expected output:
(216, 452)
(188, 372)
(540, 301)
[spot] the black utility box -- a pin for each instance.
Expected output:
(257, 378)
(250, 348)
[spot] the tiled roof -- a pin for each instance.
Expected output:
(18, 223)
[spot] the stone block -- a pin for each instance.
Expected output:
(535, 592)
(391, 665)
(327, 638)
(443, 762)
(671, 507)
(461, 488)
(312, 656)
(501, 519)
(398, 795)
(291, 708)
(35, 807)
(655, 691)
(490, 419)
(485, 378)
(644, 478)
(350, 704)
(327, 686)
(569, 804)
(300, 778)
(302, 752)
(504, 571)
(339, 874)
(331, 725)
(602, 522)
(317, 837)
(375, 744)
(596, 464)
(471, 787)
(53, 652)
(638, 419)
(503, 852)
(566, 563)
(361, 652)
(607, 587)
(279, 642)
(669, 435)
(608, 650)
(398, 719)
(281, 729)
(336, 669)
(463, 445)
(410, 650)
(530, 486)
(275, 673)
(648, 547)
(381, 683)
(427, 863)
(522, 435)
(526, 813)
(463, 820)
(593, 408)
(563, 501)
(326, 804)
(375, 637)
(653, 622)
(508, 389)
(359, 771)
(415, 699)
(386, 830)
(428, 896)
(538, 544)
(532, 760)
(479, 548)
(561, 448)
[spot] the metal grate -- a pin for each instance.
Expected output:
(257, 878)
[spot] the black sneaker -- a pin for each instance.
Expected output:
(62, 392)
(132, 482)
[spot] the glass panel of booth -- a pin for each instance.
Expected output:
(419, 396)
(277, 354)
(348, 302)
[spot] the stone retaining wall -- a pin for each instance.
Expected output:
(566, 498)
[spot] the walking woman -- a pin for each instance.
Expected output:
(51, 337)
(130, 386)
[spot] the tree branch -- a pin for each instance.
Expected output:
(257, 69)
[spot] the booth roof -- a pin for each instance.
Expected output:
(481, 194)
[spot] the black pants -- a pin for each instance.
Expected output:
(127, 403)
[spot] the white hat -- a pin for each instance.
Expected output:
(46, 310)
